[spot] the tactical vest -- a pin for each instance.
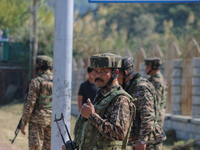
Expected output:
(87, 136)
(164, 96)
(132, 87)
(161, 100)
(45, 101)
(135, 81)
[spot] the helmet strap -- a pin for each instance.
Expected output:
(114, 76)
(129, 72)
(149, 71)
(152, 65)
(124, 79)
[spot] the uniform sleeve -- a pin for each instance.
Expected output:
(30, 102)
(116, 119)
(147, 114)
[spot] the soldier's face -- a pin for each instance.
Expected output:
(148, 68)
(102, 76)
(120, 77)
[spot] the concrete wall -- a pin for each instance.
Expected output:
(196, 88)
(176, 87)
(186, 127)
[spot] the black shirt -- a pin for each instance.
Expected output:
(88, 90)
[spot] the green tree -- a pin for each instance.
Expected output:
(13, 14)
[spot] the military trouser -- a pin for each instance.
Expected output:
(154, 147)
(102, 145)
(39, 136)
(148, 147)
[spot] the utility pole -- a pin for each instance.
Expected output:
(35, 40)
(62, 69)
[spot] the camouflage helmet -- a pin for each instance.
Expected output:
(105, 60)
(127, 62)
(44, 61)
(153, 61)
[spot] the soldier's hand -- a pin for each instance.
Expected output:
(63, 147)
(140, 146)
(23, 130)
(87, 109)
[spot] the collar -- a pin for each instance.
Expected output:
(45, 72)
(157, 74)
(134, 77)
(110, 89)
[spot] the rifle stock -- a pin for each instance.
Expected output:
(69, 145)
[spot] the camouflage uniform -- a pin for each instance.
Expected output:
(145, 125)
(37, 109)
(107, 128)
(161, 91)
(145, 128)
(160, 85)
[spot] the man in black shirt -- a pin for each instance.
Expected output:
(87, 89)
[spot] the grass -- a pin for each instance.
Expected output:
(9, 119)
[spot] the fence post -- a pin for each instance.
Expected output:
(140, 56)
(191, 50)
(155, 51)
(172, 53)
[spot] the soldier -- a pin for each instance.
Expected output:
(145, 134)
(157, 79)
(109, 117)
(37, 108)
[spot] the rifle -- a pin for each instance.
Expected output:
(20, 122)
(16, 131)
(69, 145)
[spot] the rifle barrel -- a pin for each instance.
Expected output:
(16, 131)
